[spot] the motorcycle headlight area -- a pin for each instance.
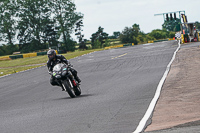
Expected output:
(54, 73)
(64, 73)
(57, 75)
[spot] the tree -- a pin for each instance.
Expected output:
(173, 25)
(8, 49)
(96, 44)
(129, 34)
(82, 44)
(136, 29)
(51, 35)
(159, 34)
(7, 22)
(63, 12)
(37, 23)
(171, 34)
(126, 35)
(99, 38)
(115, 35)
(69, 45)
(33, 17)
(197, 24)
(107, 43)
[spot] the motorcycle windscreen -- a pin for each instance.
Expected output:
(58, 67)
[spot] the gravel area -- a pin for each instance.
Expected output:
(180, 97)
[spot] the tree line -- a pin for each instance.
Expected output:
(37, 24)
(135, 35)
(131, 34)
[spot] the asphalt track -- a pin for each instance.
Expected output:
(117, 88)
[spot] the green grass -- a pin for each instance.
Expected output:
(21, 64)
(23, 61)
(6, 71)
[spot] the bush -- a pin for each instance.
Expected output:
(159, 34)
(8, 49)
(172, 34)
(107, 43)
(97, 44)
(69, 45)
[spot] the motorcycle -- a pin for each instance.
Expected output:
(65, 79)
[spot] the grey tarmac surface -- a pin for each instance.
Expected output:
(177, 110)
(191, 127)
(117, 88)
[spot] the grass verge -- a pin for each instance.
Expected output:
(22, 64)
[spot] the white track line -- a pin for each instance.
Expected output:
(152, 105)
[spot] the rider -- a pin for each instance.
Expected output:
(53, 60)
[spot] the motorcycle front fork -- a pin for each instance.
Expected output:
(72, 79)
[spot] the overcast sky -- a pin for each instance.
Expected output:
(115, 15)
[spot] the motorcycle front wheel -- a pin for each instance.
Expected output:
(68, 88)
(77, 90)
